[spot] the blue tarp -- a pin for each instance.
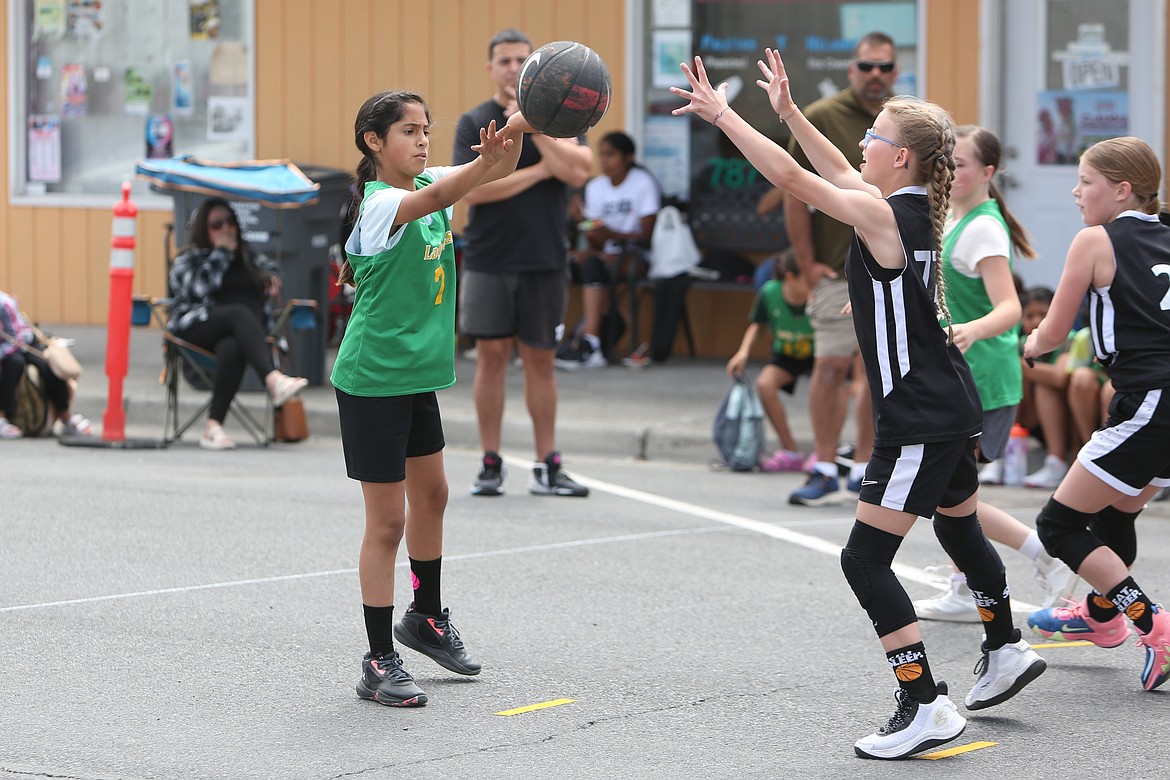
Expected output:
(275, 183)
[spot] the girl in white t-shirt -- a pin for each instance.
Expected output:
(620, 206)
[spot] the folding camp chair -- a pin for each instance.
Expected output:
(183, 360)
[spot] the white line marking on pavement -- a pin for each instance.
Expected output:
(814, 543)
(335, 572)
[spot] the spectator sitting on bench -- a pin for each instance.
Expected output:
(620, 206)
(780, 304)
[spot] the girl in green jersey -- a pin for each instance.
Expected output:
(397, 351)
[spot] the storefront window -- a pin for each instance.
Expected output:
(694, 161)
(98, 86)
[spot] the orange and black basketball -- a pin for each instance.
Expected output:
(564, 89)
(908, 672)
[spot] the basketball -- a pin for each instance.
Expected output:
(908, 672)
(563, 89)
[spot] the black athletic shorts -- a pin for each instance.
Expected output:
(379, 433)
(1131, 451)
(794, 367)
(920, 478)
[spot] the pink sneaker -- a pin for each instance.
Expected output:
(1072, 624)
(783, 460)
(1157, 645)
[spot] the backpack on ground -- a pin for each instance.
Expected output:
(739, 427)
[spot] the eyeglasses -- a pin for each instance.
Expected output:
(868, 67)
(218, 224)
(871, 135)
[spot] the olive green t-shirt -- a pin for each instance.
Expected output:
(842, 120)
(400, 339)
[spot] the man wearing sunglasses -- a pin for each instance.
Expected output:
(821, 246)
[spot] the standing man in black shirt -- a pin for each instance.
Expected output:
(513, 278)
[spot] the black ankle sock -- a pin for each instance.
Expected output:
(1134, 603)
(1100, 608)
(913, 672)
(379, 628)
(425, 576)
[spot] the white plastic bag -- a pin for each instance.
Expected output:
(672, 247)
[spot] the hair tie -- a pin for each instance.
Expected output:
(941, 158)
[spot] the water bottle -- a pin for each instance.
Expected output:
(1015, 456)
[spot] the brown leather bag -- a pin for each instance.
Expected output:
(291, 422)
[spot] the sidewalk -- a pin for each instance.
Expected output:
(658, 412)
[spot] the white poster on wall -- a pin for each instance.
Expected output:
(228, 118)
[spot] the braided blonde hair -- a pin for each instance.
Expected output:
(928, 132)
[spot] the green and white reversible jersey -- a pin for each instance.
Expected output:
(400, 339)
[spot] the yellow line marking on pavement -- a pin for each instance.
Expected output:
(544, 705)
(1078, 643)
(956, 750)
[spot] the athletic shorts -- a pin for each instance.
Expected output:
(919, 478)
(833, 334)
(1131, 451)
(794, 367)
(379, 433)
(997, 429)
(527, 304)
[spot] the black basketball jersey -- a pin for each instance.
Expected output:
(920, 386)
(1130, 319)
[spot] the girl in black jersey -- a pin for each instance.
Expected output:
(926, 409)
(1122, 261)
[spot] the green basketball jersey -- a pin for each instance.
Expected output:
(994, 362)
(400, 338)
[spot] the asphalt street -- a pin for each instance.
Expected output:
(178, 613)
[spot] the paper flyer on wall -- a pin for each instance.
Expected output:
(137, 92)
(74, 90)
(48, 20)
(182, 89)
(204, 20)
(44, 148)
(84, 18)
(228, 118)
(160, 137)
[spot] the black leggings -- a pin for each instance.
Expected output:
(236, 335)
(11, 369)
(56, 388)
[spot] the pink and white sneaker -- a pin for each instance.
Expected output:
(1157, 646)
(783, 460)
(1072, 624)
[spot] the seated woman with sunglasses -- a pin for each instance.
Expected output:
(222, 294)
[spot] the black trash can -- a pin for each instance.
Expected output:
(298, 239)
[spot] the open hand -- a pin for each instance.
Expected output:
(775, 81)
(493, 145)
(703, 99)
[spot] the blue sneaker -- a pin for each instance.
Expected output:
(818, 489)
(853, 485)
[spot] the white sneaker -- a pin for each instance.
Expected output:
(914, 727)
(941, 574)
(1049, 475)
(991, 473)
(1003, 673)
(1054, 578)
(955, 605)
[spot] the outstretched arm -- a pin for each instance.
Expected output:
(862, 209)
(829, 161)
(498, 154)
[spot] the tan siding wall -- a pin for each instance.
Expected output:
(952, 57)
(316, 61)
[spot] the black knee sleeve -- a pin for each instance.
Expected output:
(1065, 533)
(1116, 531)
(866, 560)
(963, 540)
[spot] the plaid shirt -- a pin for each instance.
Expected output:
(12, 323)
(195, 277)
